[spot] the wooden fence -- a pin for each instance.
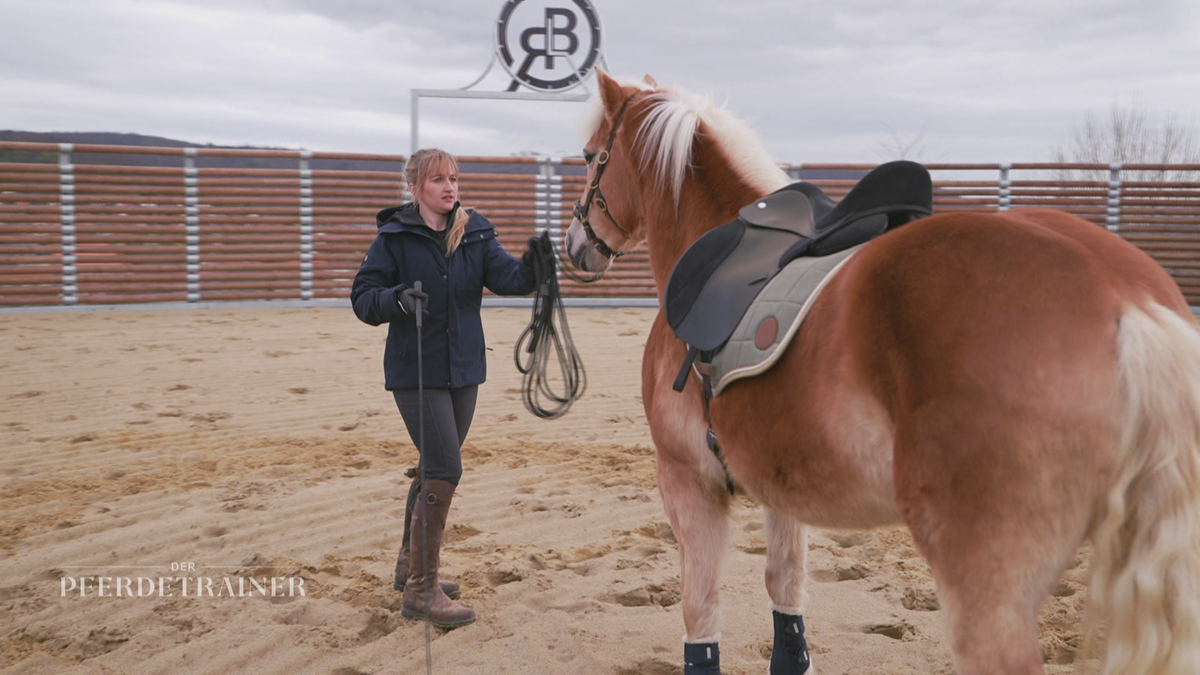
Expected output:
(89, 224)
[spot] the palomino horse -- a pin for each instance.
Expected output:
(1008, 385)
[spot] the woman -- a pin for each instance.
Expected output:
(453, 252)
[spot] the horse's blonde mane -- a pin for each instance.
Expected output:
(669, 132)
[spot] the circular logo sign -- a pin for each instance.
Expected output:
(548, 45)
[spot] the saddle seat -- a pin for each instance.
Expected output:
(717, 279)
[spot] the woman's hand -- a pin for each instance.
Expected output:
(527, 258)
(408, 298)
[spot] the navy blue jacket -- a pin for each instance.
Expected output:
(406, 251)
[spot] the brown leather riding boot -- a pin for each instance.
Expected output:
(450, 588)
(423, 595)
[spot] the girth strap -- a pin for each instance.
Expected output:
(706, 393)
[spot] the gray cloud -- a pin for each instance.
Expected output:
(979, 81)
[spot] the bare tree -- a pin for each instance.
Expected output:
(900, 146)
(1129, 134)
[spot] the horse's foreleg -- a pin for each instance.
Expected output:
(787, 554)
(693, 483)
(698, 507)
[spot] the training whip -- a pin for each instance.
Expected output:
(418, 310)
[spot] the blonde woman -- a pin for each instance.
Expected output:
(454, 253)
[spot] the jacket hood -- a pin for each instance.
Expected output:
(406, 214)
(406, 217)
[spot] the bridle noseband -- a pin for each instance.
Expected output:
(595, 195)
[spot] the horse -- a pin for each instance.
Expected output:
(1009, 385)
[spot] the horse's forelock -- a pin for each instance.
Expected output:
(596, 111)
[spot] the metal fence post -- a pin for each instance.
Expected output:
(66, 211)
(306, 227)
(191, 202)
(548, 211)
(1004, 198)
(1112, 218)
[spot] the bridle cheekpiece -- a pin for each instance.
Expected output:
(594, 195)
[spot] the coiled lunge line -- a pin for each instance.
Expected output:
(542, 337)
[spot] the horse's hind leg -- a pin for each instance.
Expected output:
(991, 591)
(787, 553)
(698, 508)
(999, 516)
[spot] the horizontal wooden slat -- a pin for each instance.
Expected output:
(177, 257)
(111, 298)
(32, 299)
(88, 286)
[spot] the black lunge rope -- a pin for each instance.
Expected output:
(542, 337)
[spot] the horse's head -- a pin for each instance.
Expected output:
(609, 215)
(663, 166)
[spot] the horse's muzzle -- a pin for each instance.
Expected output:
(582, 252)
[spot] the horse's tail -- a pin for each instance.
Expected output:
(1146, 572)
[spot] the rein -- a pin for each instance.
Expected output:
(595, 195)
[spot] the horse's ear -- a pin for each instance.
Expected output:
(650, 81)
(610, 91)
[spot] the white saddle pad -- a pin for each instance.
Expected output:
(770, 323)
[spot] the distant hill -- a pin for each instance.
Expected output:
(97, 137)
(111, 138)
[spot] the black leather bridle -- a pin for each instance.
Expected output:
(595, 195)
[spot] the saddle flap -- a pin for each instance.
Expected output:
(789, 210)
(822, 203)
(717, 278)
(693, 269)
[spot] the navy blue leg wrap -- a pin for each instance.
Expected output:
(790, 655)
(701, 659)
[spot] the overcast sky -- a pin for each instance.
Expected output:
(820, 80)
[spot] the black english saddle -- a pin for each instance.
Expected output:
(718, 277)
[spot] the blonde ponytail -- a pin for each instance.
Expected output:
(454, 233)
